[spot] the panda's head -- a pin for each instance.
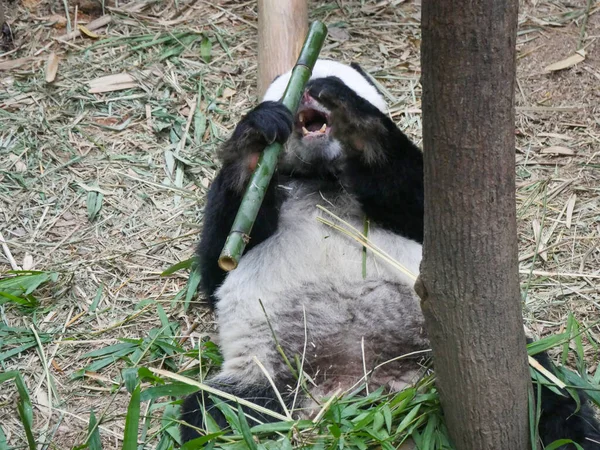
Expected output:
(312, 149)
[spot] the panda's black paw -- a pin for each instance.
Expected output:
(267, 123)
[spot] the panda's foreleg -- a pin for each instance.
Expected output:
(561, 419)
(268, 122)
(196, 406)
(382, 167)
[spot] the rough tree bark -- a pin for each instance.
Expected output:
(282, 27)
(469, 282)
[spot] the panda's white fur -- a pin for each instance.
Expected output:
(326, 68)
(305, 253)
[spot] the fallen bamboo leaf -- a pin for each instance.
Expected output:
(575, 58)
(557, 150)
(112, 87)
(88, 32)
(27, 262)
(111, 79)
(549, 375)
(116, 82)
(93, 25)
(570, 208)
(228, 92)
(51, 67)
(15, 63)
(56, 20)
(563, 137)
(18, 165)
(539, 238)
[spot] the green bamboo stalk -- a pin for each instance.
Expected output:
(239, 235)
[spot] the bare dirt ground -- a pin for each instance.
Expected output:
(105, 182)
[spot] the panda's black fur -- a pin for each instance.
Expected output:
(305, 282)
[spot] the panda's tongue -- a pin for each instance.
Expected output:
(315, 128)
(316, 125)
(312, 122)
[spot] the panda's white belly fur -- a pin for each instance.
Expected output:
(309, 278)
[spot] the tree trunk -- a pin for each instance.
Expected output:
(2, 16)
(469, 283)
(282, 27)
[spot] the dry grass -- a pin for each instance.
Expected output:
(144, 156)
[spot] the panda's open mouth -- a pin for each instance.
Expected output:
(312, 120)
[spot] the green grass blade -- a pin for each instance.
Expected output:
(132, 422)
(3, 443)
(282, 427)
(185, 264)
(192, 286)
(28, 301)
(25, 282)
(199, 443)
(168, 390)
(547, 343)
(592, 391)
(408, 419)
(245, 429)
(205, 49)
(97, 298)
(25, 408)
(561, 442)
(93, 442)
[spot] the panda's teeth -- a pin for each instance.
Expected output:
(301, 117)
(323, 128)
(304, 131)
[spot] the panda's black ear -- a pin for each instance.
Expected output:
(364, 74)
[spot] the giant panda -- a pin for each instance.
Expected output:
(309, 288)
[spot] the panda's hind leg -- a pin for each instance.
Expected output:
(197, 405)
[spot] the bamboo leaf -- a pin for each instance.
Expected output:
(185, 264)
(132, 421)
(547, 343)
(592, 391)
(557, 150)
(168, 390)
(51, 67)
(192, 286)
(198, 443)
(25, 282)
(24, 406)
(205, 49)
(94, 204)
(245, 429)
(130, 378)
(557, 444)
(116, 350)
(97, 298)
(274, 427)
(93, 442)
(566, 63)
(408, 419)
(87, 32)
(3, 443)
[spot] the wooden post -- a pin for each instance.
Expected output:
(282, 27)
(469, 282)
